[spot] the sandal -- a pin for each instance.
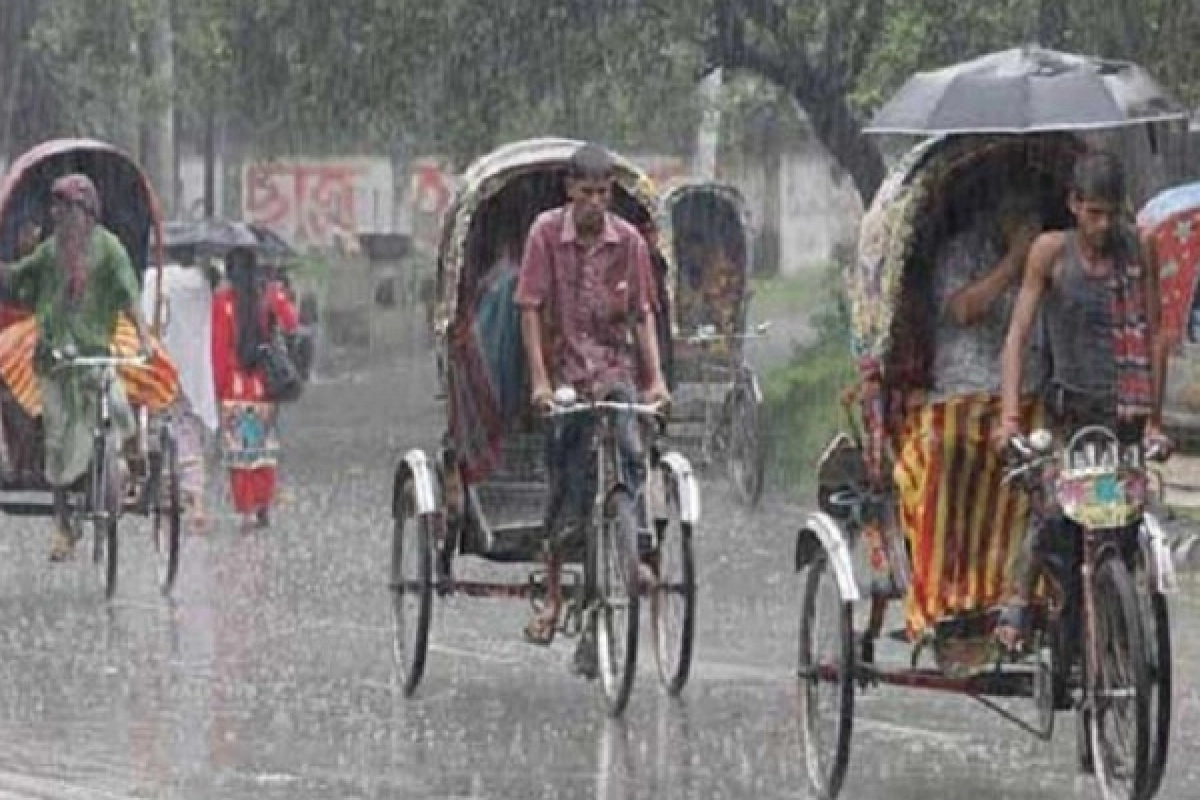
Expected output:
(199, 523)
(541, 629)
(1009, 632)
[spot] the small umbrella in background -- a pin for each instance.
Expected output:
(209, 237)
(1025, 90)
(271, 245)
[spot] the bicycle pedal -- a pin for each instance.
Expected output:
(571, 623)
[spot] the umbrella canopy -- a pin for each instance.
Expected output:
(1024, 90)
(1169, 203)
(211, 236)
(271, 245)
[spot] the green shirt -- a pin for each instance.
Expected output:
(38, 282)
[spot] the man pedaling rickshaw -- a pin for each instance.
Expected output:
(1097, 288)
(77, 283)
(587, 303)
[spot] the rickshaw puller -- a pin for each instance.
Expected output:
(1099, 294)
(585, 291)
(77, 283)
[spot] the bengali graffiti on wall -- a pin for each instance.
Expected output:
(432, 182)
(311, 202)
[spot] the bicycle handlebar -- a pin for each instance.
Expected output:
(67, 361)
(642, 409)
(706, 337)
(1030, 456)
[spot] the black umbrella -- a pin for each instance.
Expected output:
(1024, 90)
(211, 236)
(271, 245)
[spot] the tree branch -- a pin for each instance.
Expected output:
(870, 31)
(819, 94)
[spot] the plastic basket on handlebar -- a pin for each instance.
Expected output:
(1101, 482)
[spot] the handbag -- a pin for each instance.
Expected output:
(283, 382)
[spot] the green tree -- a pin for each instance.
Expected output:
(461, 76)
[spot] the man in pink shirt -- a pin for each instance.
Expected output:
(588, 321)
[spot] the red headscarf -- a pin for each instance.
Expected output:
(73, 232)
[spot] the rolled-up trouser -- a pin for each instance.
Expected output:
(571, 463)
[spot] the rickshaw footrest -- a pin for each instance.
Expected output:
(27, 509)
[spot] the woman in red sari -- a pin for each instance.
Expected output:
(243, 311)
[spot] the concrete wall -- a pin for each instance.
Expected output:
(813, 209)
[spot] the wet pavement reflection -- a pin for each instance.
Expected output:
(270, 676)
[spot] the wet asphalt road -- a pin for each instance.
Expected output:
(269, 675)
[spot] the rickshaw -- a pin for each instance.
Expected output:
(483, 494)
(1098, 639)
(130, 209)
(1172, 220)
(718, 401)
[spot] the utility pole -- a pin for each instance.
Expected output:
(158, 141)
(210, 159)
(708, 137)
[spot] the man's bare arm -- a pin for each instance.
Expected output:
(531, 334)
(971, 303)
(1038, 270)
(648, 344)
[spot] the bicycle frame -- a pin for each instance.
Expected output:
(712, 373)
(93, 509)
(605, 446)
(1096, 487)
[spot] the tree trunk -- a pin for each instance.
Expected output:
(13, 92)
(842, 135)
(1052, 23)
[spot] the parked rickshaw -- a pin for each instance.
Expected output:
(718, 401)
(1098, 640)
(1172, 220)
(483, 494)
(130, 210)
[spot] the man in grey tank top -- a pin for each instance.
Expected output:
(1089, 283)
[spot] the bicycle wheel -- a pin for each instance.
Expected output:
(826, 679)
(673, 597)
(411, 586)
(1156, 625)
(166, 513)
(747, 458)
(105, 506)
(1118, 721)
(616, 564)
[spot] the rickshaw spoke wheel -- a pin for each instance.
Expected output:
(1156, 634)
(747, 450)
(167, 512)
(1156, 627)
(825, 679)
(411, 587)
(673, 597)
(105, 506)
(617, 602)
(1119, 722)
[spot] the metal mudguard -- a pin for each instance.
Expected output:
(689, 492)
(822, 534)
(416, 464)
(1156, 551)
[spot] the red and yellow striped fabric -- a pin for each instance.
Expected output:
(965, 529)
(154, 386)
